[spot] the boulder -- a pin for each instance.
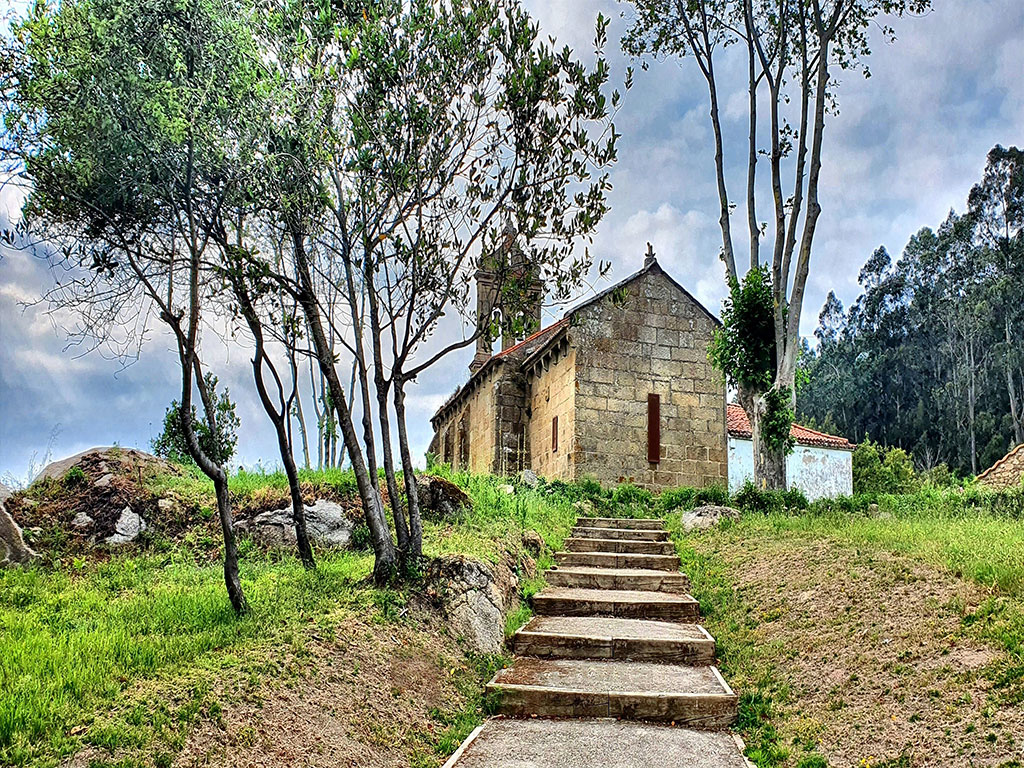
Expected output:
(327, 522)
(102, 461)
(13, 549)
(507, 489)
(474, 597)
(529, 478)
(5, 493)
(707, 516)
(441, 499)
(127, 528)
(82, 521)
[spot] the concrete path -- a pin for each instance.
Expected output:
(613, 670)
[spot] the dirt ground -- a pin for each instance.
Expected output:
(377, 695)
(366, 701)
(871, 647)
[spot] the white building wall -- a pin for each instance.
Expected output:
(818, 472)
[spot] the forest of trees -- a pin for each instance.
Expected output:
(930, 357)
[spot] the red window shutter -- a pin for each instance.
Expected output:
(554, 435)
(653, 428)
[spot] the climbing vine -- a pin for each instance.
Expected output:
(744, 347)
(777, 421)
(744, 350)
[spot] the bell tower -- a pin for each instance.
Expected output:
(506, 269)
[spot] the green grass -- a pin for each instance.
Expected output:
(973, 545)
(75, 638)
(981, 548)
(496, 524)
(78, 634)
(977, 547)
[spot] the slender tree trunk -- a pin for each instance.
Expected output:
(299, 415)
(1011, 389)
(723, 196)
(231, 577)
(279, 418)
(752, 226)
(210, 468)
(409, 472)
(971, 398)
(397, 509)
(385, 557)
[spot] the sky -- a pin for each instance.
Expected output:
(904, 149)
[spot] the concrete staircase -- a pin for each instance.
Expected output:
(615, 653)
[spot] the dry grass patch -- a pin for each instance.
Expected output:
(855, 656)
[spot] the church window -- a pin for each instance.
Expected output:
(653, 428)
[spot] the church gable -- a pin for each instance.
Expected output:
(649, 407)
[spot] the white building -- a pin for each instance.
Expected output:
(820, 465)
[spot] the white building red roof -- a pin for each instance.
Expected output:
(739, 427)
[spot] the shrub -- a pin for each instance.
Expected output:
(74, 477)
(751, 499)
(677, 498)
(716, 495)
(361, 539)
(219, 446)
(877, 469)
(629, 494)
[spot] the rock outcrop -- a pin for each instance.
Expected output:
(475, 597)
(707, 516)
(104, 462)
(441, 499)
(127, 528)
(13, 549)
(328, 524)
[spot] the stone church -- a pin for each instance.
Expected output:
(620, 389)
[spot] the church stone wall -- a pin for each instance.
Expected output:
(552, 392)
(476, 411)
(648, 337)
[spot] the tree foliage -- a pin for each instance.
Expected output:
(929, 358)
(220, 445)
(743, 348)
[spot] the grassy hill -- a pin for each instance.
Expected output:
(857, 635)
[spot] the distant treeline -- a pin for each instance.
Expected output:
(930, 357)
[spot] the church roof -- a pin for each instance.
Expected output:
(739, 427)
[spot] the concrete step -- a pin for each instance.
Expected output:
(633, 690)
(615, 560)
(593, 637)
(585, 743)
(619, 578)
(630, 523)
(625, 546)
(583, 531)
(620, 603)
